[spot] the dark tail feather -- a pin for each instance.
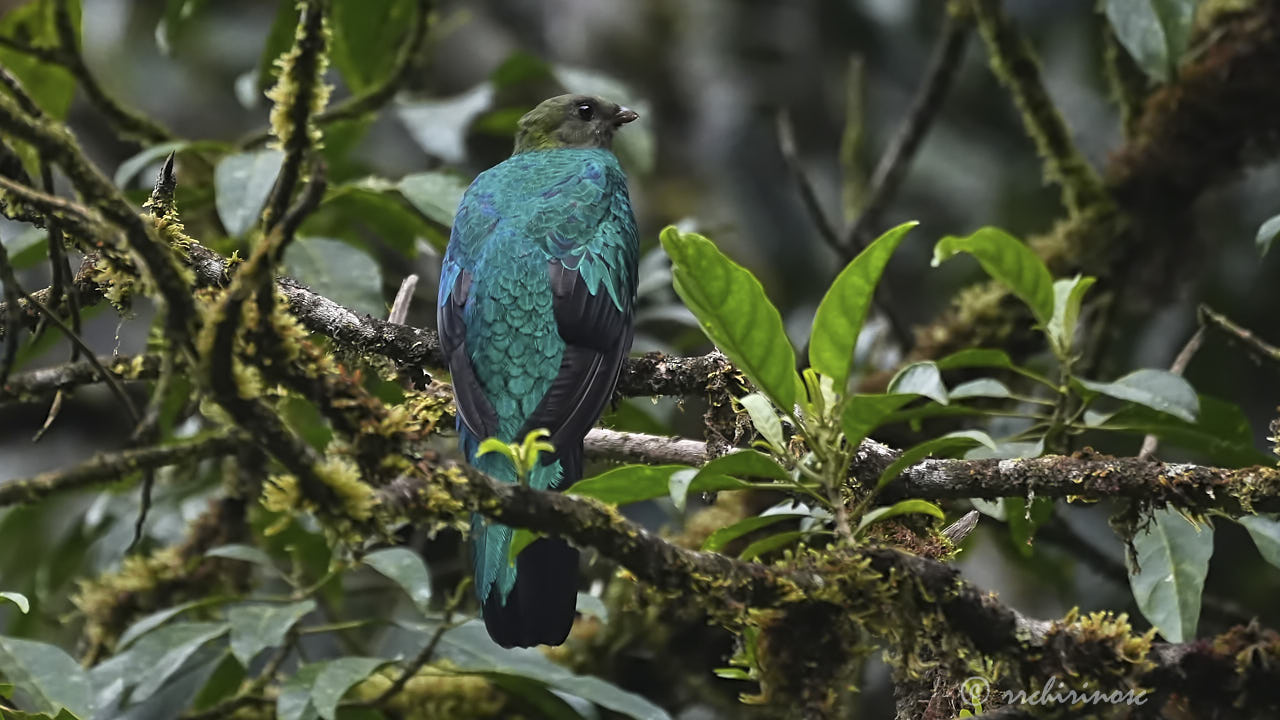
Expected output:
(541, 606)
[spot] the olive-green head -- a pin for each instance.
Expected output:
(571, 121)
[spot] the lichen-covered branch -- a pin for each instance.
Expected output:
(1016, 66)
(888, 591)
(109, 467)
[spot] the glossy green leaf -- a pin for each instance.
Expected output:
(1265, 531)
(765, 419)
(981, 387)
(1068, 294)
(1157, 389)
(373, 205)
(1267, 234)
(1010, 262)
(864, 413)
(771, 543)
(1155, 32)
(435, 194)
(367, 35)
(538, 697)
(470, 648)
(336, 677)
(258, 626)
(634, 483)
(844, 308)
(174, 658)
(337, 271)
(734, 312)
(902, 507)
(407, 569)
(243, 553)
(24, 605)
(1221, 431)
(439, 126)
(725, 535)
(1173, 559)
(921, 378)
(294, 700)
(746, 464)
(154, 657)
(975, 357)
(949, 445)
(46, 676)
(156, 619)
(241, 184)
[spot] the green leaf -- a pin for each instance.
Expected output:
(948, 445)
(243, 553)
(50, 85)
(765, 419)
(258, 626)
(634, 483)
(1173, 559)
(1010, 262)
(24, 605)
(1157, 389)
(734, 312)
(864, 413)
(174, 657)
(241, 184)
(1267, 234)
(902, 507)
(156, 656)
(1221, 431)
(407, 569)
(366, 38)
(435, 194)
(47, 676)
(336, 677)
(134, 165)
(440, 126)
(520, 540)
(373, 205)
(1067, 297)
(294, 700)
(1155, 32)
(1265, 531)
(338, 271)
(975, 357)
(678, 486)
(982, 387)
(771, 543)
(921, 378)
(469, 646)
(156, 619)
(746, 464)
(844, 308)
(726, 535)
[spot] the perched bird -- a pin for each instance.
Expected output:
(537, 296)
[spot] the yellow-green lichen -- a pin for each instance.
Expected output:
(284, 94)
(342, 476)
(435, 691)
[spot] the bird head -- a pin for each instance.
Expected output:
(571, 121)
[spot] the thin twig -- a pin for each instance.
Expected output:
(1257, 347)
(127, 123)
(787, 145)
(891, 170)
(1179, 366)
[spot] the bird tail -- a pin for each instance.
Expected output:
(533, 601)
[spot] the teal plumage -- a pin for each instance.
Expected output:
(535, 313)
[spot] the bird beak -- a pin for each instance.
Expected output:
(624, 116)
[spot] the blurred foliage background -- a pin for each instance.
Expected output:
(708, 79)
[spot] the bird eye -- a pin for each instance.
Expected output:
(586, 112)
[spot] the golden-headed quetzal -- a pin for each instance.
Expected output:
(537, 296)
